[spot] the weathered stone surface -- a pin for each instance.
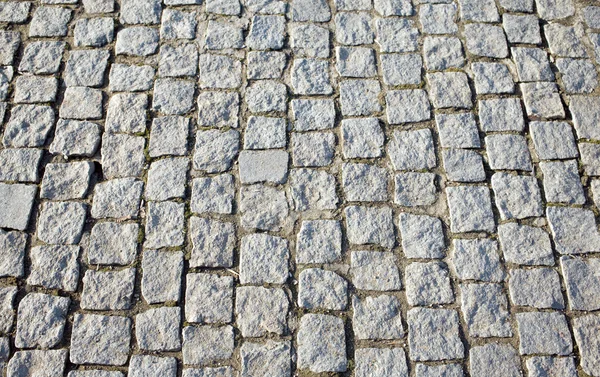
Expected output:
(176, 24)
(166, 179)
(401, 69)
(428, 284)
(37, 362)
(573, 229)
(263, 207)
(204, 344)
(517, 196)
(485, 310)
(355, 62)
(265, 133)
(442, 53)
(312, 149)
(16, 202)
(124, 77)
(41, 57)
(495, 360)
(532, 64)
(433, 334)
(208, 298)
(108, 290)
(161, 276)
(359, 97)
(415, 189)
(586, 330)
(144, 365)
(61, 222)
(66, 181)
(364, 182)
(458, 130)
(168, 136)
(215, 150)
(99, 339)
(353, 28)
(126, 113)
(486, 40)
(311, 77)
(585, 116)
(41, 320)
(375, 271)
(449, 89)
(164, 225)
(539, 366)
(477, 259)
(113, 243)
(213, 242)
(538, 288)
(581, 278)
(81, 103)
(54, 267)
(562, 183)
(321, 343)
(310, 41)
(261, 311)
(312, 189)
(542, 99)
(263, 259)
(407, 106)
(522, 28)
(523, 244)
(49, 22)
(322, 289)
(263, 166)
(470, 209)
(412, 150)
(444, 370)
(270, 358)
(543, 333)
(86, 67)
(422, 236)
(380, 362)
(94, 32)
(463, 165)
(12, 253)
(370, 225)
(396, 34)
(117, 198)
(377, 318)
(137, 41)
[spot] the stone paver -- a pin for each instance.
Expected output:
(228, 188)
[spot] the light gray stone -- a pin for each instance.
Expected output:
(213, 242)
(492, 78)
(495, 360)
(140, 12)
(422, 236)
(209, 372)
(364, 182)
(225, 7)
(99, 339)
(359, 97)
(547, 366)
(412, 150)
(176, 24)
(312, 189)
(152, 366)
(322, 344)
(266, 95)
(49, 22)
(486, 40)
(319, 241)
(477, 259)
(322, 289)
(310, 41)
(204, 344)
(173, 97)
(161, 276)
(508, 152)
(263, 207)
(265, 64)
(501, 114)
(14, 12)
(269, 359)
(41, 320)
(585, 113)
(517, 5)
(113, 243)
(94, 32)
(458, 130)
(20, 165)
(35, 89)
(370, 225)
(522, 28)
(261, 311)
(218, 109)
(377, 318)
(41, 57)
(355, 62)
(266, 33)
(313, 114)
(532, 64)
(401, 69)
(409, 105)
(581, 277)
(586, 330)
(81, 103)
(86, 68)
(11, 40)
(98, 6)
(553, 140)
(444, 370)
(470, 209)
(562, 183)
(214, 150)
(539, 288)
(312, 149)
(164, 224)
(396, 35)
(117, 198)
(362, 138)
(478, 11)
(137, 41)
(517, 196)
(16, 202)
(485, 310)
(12, 253)
(574, 230)
(208, 298)
(213, 194)
(353, 28)
(265, 133)
(7, 308)
(166, 179)
(542, 99)
(590, 155)
(133, 78)
(263, 166)
(224, 35)
(543, 333)
(449, 89)
(263, 259)
(433, 334)
(463, 165)
(66, 181)
(380, 362)
(524, 244)
(311, 77)
(122, 155)
(54, 267)
(310, 10)
(50, 363)
(375, 271)
(428, 284)
(563, 41)
(61, 222)
(438, 18)
(126, 113)
(578, 76)
(443, 53)
(178, 61)
(415, 189)
(108, 290)
(266, 6)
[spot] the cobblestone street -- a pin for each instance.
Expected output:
(270, 188)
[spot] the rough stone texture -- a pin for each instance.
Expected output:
(470, 209)
(569, 227)
(485, 310)
(117, 198)
(99, 339)
(375, 271)
(263, 207)
(377, 318)
(41, 320)
(477, 259)
(66, 181)
(54, 267)
(543, 333)
(428, 284)
(261, 311)
(213, 242)
(422, 236)
(495, 360)
(538, 288)
(586, 330)
(16, 202)
(161, 276)
(263, 259)
(271, 358)
(312, 189)
(37, 363)
(12, 253)
(164, 227)
(581, 278)
(61, 222)
(215, 150)
(524, 244)
(321, 343)
(108, 290)
(322, 289)
(379, 362)
(208, 298)
(562, 183)
(205, 344)
(433, 334)
(369, 225)
(517, 197)
(212, 194)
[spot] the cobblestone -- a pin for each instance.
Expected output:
(271, 188)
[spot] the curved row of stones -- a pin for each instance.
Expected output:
(436, 216)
